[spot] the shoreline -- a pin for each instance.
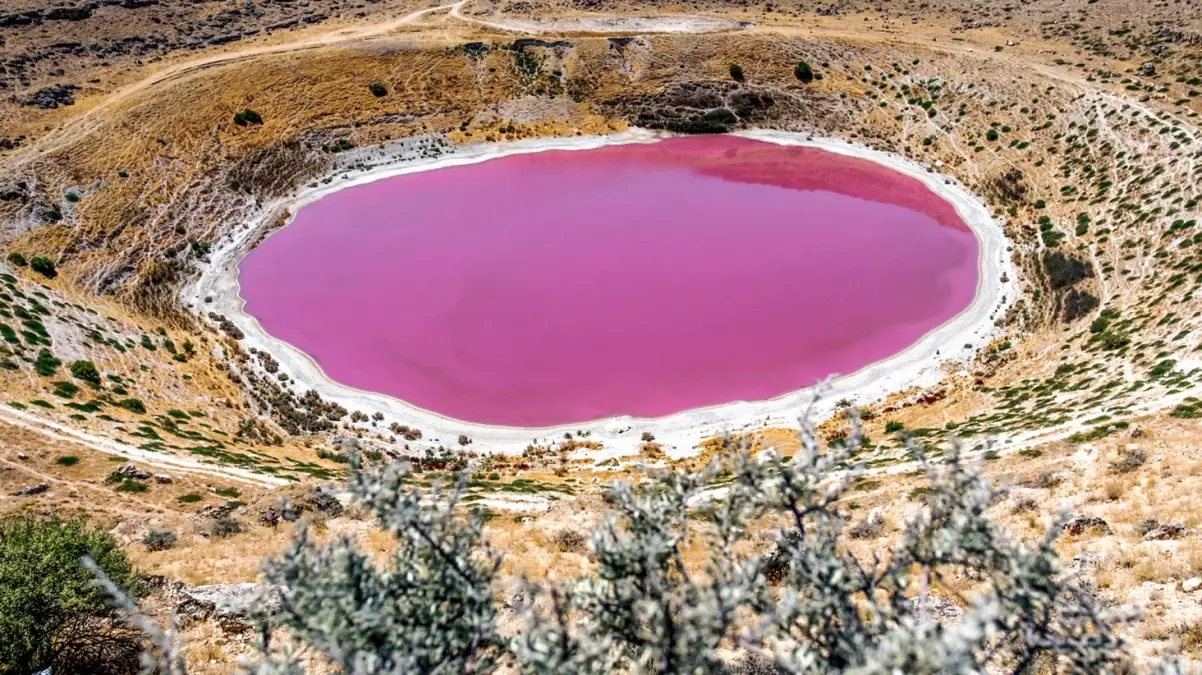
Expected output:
(920, 364)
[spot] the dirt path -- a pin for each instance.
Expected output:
(89, 121)
(60, 432)
(42, 477)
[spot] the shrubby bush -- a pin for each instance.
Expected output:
(803, 72)
(158, 540)
(807, 606)
(245, 117)
(52, 614)
(43, 266)
(86, 371)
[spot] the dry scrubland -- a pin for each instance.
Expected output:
(1076, 122)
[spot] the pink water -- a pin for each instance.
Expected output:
(562, 287)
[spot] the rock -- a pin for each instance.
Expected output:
(52, 96)
(1168, 531)
(1088, 560)
(32, 490)
(1148, 69)
(1192, 584)
(270, 517)
(324, 501)
(215, 511)
(129, 471)
(1079, 525)
(163, 479)
(22, 456)
(230, 605)
(941, 610)
(69, 13)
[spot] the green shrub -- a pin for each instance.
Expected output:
(17, 259)
(66, 389)
(378, 90)
(67, 460)
(736, 72)
(893, 425)
(132, 404)
(43, 266)
(158, 540)
(803, 72)
(130, 485)
(245, 117)
(46, 364)
(226, 527)
(232, 493)
(86, 371)
(190, 499)
(52, 613)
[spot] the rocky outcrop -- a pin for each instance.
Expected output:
(128, 472)
(231, 606)
(32, 490)
(52, 96)
(1078, 525)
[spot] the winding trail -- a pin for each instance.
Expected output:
(61, 432)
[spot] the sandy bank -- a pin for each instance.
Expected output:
(922, 364)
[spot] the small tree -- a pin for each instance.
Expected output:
(802, 71)
(43, 266)
(52, 613)
(736, 72)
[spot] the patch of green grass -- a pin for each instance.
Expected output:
(190, 499)
(128, 485)
(230, 492)
(67, 460)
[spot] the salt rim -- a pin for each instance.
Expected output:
(921, 364)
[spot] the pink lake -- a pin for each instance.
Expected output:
(567, 286)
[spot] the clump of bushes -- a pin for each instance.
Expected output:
(17, 259)
(736, 72)
(53, 615)
(808, 606)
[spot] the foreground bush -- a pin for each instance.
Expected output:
(52, 613)
(806, 606)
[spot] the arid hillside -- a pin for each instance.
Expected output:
(139, 139)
